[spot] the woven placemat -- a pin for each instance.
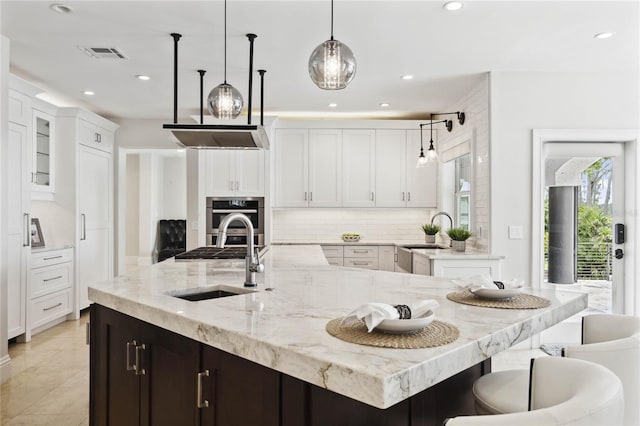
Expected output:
(437, 333)
(520, 301)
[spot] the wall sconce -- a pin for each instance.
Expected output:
(431, 155)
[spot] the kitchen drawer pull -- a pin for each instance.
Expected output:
(305, 195)
(51, 279)
(402, 195)
(310, 196)
(139, 371)
(52, 257)
(361, 251)
(201, 403)
(372, 196)
(129, 345)
(409, 196)
(83, 225)
(52, 307)
(26, 241)
(227, 211)
(361, 263)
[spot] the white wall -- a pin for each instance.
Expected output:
(174, 188)
(133, 205)
(521, 102)
(144, 134)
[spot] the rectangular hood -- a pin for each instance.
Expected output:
(219, 136)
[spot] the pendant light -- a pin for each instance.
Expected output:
(431, 156)
(332, 65)
(225, 101)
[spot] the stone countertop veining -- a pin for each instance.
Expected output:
(284, 328)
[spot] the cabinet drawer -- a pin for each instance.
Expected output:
(51, 257)
(332, 251)
(91, 135)
(361, 251)
(335, 261)
(49, 307)
(361, 262)
(49, 279)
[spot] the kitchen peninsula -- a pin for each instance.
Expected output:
(271, 353)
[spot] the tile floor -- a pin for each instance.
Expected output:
(50, 378)
(50, 382)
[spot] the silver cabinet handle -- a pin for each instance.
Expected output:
(409, 198)
(26, 240)
(402, 195)
(52, 257)
(310, 196)
(129, 345)
(52, 307)
(361, 251)
(139, 371)
(305, 195)
(201, 403)
(83, 224)
(52, 279)
(360, 263)
(372, 196)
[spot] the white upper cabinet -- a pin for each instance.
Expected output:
(422, 183)
(43, 175)
(92, 135)
(390, 167)
(358, 168)
(234, 173)
(325, 168)
(291, 158)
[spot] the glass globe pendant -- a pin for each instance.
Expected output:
(332, 65)
(225, 101)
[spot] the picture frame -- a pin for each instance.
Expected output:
(37, 240)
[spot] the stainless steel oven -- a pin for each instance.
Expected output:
(219, 207)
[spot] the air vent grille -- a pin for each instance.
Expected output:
(103, 52)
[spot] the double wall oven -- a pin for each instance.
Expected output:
(219, 207)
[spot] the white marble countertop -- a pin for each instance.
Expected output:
(441, 254)
(282, 325)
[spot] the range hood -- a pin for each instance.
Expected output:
(218, 136)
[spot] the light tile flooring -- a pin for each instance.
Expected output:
(50, 378)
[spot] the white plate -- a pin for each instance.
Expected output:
(399, 326)
(496, 293)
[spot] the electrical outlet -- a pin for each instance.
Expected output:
(515, 232)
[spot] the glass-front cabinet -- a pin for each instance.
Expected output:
(42, 175)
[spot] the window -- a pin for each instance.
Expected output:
(462, 185)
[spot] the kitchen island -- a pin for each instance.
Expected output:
(280, 329)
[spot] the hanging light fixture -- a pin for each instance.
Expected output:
(332, 65)
(431, 155)
(225, 101)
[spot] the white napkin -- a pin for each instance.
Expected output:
(374, 313)
(477, 282)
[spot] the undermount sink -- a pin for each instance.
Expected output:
(206, 293)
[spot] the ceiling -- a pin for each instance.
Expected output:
(446, 52)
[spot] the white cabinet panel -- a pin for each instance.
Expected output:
(291, 158)
(94, 184)
(386, 258)
(94, 261)
(19, 108)
(218, 173)
(231, 173)
(421, 265)
(391, 157)
(422, 183)
(462, 268)
(358, 175)
(94, 136)
(249, 173)
(325, 168)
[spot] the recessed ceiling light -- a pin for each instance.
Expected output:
(602, 36)
(89, 93)
(384, 105)
(453, 5)
(143, 77)
(407, 77)
(333, 105)
(60, 8)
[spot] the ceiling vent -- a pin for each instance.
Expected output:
(103, 52)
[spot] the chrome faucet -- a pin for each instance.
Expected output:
(252, 260)
(442, 214)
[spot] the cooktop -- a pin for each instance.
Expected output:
(213, 253)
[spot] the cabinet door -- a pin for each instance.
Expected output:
(325, 168)
(422, 183)
(240, 392)
(95, 255)
(43, 152)
(386, 258)
(220, 180)
(18, 239)
(249, 173)
(291, 162)
(391, 163)
(421, 265)
(168, 387)
(114, 387)
(358, 165)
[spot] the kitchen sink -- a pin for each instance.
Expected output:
(206, 293)
(405, 255)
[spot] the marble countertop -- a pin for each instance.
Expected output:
(282, 325)
(443, 254)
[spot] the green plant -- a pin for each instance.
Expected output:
(458, 234)
(430, 229)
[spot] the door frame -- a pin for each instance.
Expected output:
(629, 139)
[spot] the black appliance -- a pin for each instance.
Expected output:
(219, 207)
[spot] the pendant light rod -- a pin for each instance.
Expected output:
(201, 72)
(261, 72)
(331, 19)
(459, 114)
(251, 38)
(225, 41)
(176, 38)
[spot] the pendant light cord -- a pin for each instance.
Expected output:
(331, 19)
(225, 41)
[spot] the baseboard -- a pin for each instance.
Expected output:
(5, 368)
(144, 261)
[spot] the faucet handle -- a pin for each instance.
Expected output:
(256, 266)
